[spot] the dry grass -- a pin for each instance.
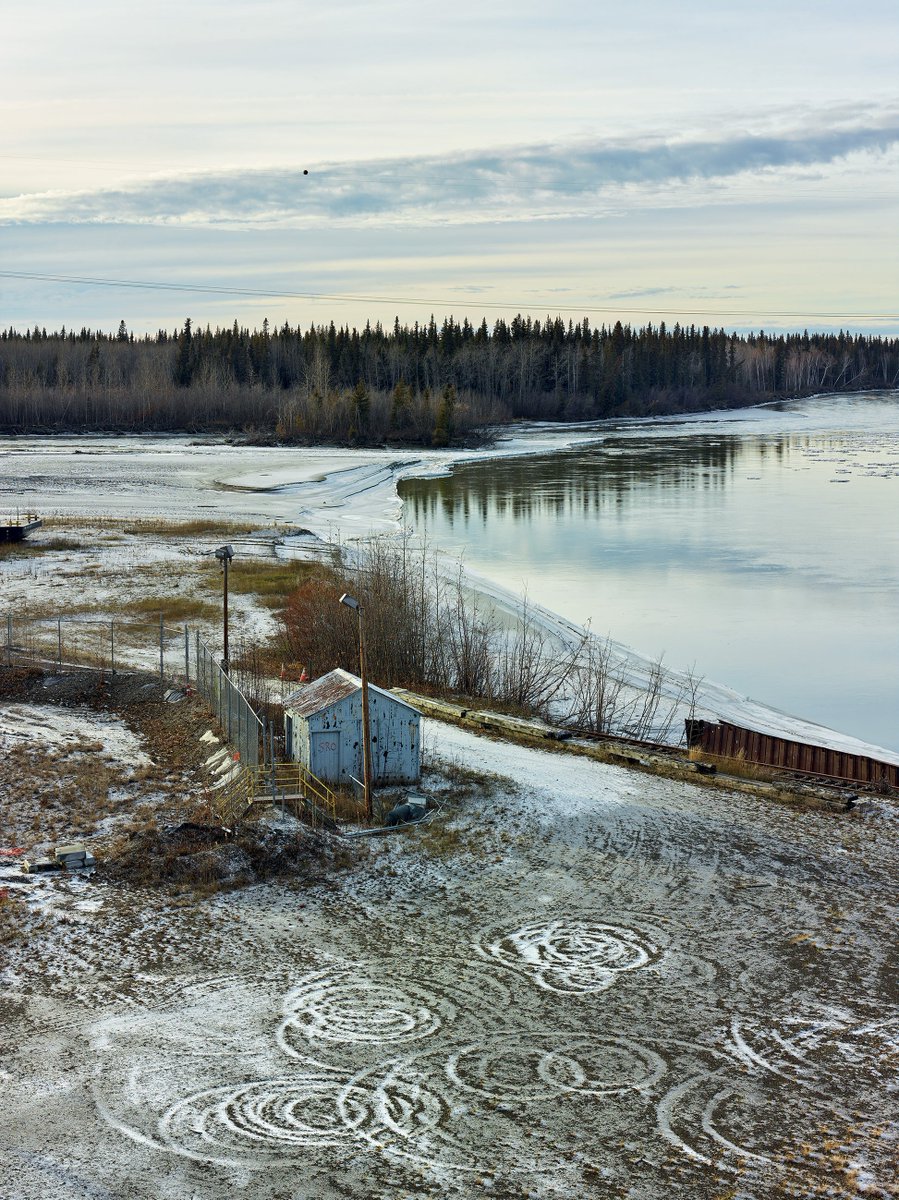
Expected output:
(34, 549)
(271, 580)
(155, 526)
(347, 807)
(466, 782)
(737, 766)
(18, 923)
(439, 837)
(174, 608)
(195, 527)
(443, 841)
(55, 795)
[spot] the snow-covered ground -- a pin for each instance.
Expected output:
(578, 981)
(328, 490)
(54, 727)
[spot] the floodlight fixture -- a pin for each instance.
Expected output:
(348, 600)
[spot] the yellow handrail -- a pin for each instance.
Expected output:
(232, 800)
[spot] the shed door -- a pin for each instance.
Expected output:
(326, 755)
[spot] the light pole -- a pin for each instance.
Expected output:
(224, 554)
(366, 729)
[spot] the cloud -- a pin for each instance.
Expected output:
(697, 291)
(641, 293)
(575, 179)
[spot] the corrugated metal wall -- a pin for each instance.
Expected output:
(395, 736)
(733, 741)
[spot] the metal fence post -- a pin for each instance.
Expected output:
(244, 728)
(112, 646)
(9, 639)
(59, 641)
(186, 656)
(161, 663)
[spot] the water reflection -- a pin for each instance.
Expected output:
(591, 482)
(768, 559)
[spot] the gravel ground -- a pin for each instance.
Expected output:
(576, 981)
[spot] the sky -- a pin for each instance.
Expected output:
(719, 163)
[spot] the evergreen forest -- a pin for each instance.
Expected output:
(420, 384)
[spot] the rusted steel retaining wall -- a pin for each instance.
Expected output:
(668, 761)
(732, 741)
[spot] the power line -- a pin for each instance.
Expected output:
(441, 302)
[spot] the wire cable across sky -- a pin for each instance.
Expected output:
(605, 307)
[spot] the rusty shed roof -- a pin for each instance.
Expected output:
(328, 690)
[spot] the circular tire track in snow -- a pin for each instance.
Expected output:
(262, 1118)
(430, 1107)
(572, 956)
(689, 1117)
(724, 1122)
(505, 1068)
(343, 1007)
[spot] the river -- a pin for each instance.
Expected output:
(760, 547)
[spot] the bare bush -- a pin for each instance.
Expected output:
(646, 719)
(428, 631)
(531, 669)
(597, 693)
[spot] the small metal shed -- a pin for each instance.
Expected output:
(323, 730)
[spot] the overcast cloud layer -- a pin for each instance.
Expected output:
(513, 184)
(742, 164)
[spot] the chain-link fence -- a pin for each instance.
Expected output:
(72, 643)
(237, 717)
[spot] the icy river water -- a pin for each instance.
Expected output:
(760, 546)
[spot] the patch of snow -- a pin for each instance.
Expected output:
(53, 727)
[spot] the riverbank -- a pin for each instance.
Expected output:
(337, 496)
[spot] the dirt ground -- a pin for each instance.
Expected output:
(576, 981)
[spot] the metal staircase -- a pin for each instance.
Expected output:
(288, 784)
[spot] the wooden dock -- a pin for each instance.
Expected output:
(18, 530)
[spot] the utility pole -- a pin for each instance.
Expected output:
(366, 726)
(224, 554)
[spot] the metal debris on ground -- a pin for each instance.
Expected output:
(415, 810)
(412, 809)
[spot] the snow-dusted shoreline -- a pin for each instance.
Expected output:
(346, 494)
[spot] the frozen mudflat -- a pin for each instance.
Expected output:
(337, 495)
(579, 981)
